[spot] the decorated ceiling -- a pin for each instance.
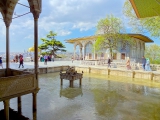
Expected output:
(146, 8)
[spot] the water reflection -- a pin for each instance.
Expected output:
(100, 98)
(70, 93)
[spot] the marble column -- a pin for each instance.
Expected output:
(19, 105)
(7, 24)
(6, 108)
(34, 106)
(83, 50)
(36, 16)
(81, 53)
(74, 56)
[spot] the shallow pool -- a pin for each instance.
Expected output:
(99, 98)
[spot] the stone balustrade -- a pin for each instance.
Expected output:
(148, 75)
(122, 65)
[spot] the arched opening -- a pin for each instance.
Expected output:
(88, 51)
(78, 51)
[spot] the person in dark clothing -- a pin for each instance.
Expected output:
(109, 62)
(143, 62)
(21, 61)
(1, 62)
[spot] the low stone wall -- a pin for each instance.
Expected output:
(118, 72)
(148, 75)
(44, 70)
(122, 65)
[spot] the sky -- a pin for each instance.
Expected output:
(68, 18)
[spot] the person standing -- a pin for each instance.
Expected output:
(128, 64)
(109, 62)
(1, 62)
(143, 62)
(45, 59)
(53, 58)
(147, 66)
(72, 59)
(21, 61)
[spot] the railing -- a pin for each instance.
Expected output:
(134, 66)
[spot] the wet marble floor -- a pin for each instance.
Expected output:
(99, 98)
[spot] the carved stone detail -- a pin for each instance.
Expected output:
(16, 84)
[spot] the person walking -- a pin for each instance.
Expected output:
(21, 61)
(72, 59)
(1, 62)
(147, 65)
(128, 64)
(143, 62)
(109, 62)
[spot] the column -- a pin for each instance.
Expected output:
(83, 50)
(94, 54)
(81, 53)
(19, 105)
(36, 16)
(74, 56)
(34, 105)
(6, 109)
(7, 23)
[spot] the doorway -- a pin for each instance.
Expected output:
(123, 55)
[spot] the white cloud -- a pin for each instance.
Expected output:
(61, 16)
(77, 14)
(84, 26)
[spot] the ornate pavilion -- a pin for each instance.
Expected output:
(135, 52)
(15, 83)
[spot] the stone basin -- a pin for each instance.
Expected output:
(16, 83)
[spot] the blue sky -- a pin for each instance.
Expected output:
(68, 18)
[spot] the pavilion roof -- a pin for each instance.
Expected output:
(146, 8)
(94, 37)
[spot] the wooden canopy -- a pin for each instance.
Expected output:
(146, 8)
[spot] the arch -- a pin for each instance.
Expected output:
(88, 42)
(10, 6)
(88, 50)
(35, 5)
(78, 43)
(1, 9)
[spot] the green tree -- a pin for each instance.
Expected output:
(110, 32)
(51, 45)
(144, 25)
(152, 52)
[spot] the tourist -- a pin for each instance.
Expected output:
(21, 61)
(147, 65)
(1, 62)
(45, 59)
(16, 58)
(128, 64)
(31, 59)
(53, 58)
(109, 62)
(41, 58)
(143, 62)
(72, 59)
